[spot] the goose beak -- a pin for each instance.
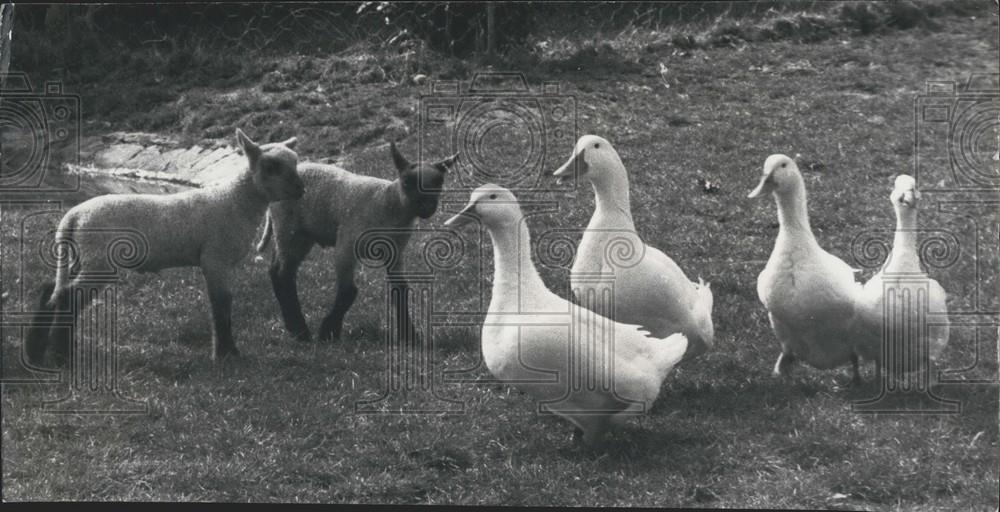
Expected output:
(766, 185)
(910, 197)
(467, 215)
(575, 165)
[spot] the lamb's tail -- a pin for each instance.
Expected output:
(268, 230)
(704, 340)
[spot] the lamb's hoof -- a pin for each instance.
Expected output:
(226, 353)
(59, 360)
(302, 336)
(594, 444)
(328, 337)
(34, 359)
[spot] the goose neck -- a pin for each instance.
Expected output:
(612, 200)
(904, 242)
(793, 214)
(515, 276)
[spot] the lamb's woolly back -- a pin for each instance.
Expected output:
(216, 222)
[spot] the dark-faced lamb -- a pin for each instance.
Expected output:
(338, 207)
(212, 228)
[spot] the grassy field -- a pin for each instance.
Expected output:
(279, 423)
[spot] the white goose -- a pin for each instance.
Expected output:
(899, 322)
(809, 294)
(577, 364)
(649, 288)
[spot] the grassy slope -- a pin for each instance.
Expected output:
(278, 424)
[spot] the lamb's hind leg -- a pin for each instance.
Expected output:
(333, 323)
(218, 279)
(285, 262)
(65, 322)
(36, 341)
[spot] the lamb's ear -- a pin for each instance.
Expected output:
(447, 163)
(290, 143)
(250, 148)
(401, 162)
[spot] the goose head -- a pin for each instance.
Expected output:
(904, 194)
(781, 177)
(593, 160)
(492, 205)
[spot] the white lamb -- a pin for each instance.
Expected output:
(212, 228)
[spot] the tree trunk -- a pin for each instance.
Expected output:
(491, 33)
(6, 31)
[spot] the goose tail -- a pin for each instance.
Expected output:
(668, 353)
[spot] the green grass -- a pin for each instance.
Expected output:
(279, 423)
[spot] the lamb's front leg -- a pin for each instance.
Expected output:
(333, 323)
(218, 279)
(399, 293)
(284, 267)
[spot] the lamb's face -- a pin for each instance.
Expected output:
(421, 187)
(273, 167)
(276, 172)
(421, 184)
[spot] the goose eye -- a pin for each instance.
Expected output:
(784, 164)
(493, 196)
(597, 145)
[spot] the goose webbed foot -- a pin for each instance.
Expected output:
(856, 381)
